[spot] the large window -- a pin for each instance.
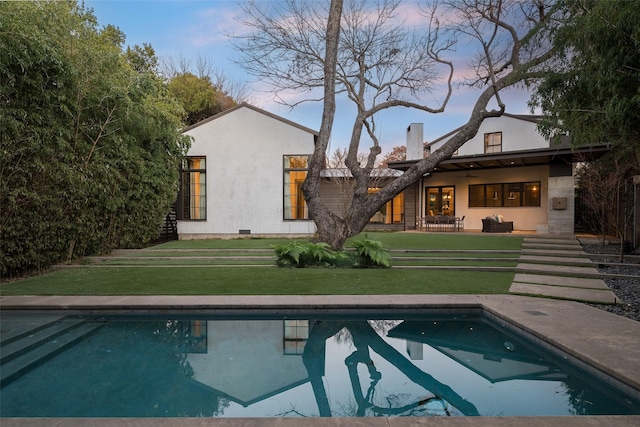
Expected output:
(440, 201)
(194, 334)
(295, 171)
(194, 188)
(493, 142)
(513, 194)
(392, 212)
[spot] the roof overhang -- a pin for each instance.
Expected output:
(509, 159)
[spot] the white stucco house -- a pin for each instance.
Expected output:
(508, 169)
(250, 361)
(244, 171)
(243, 174)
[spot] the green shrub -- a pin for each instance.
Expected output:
(343, 259)
(370, 253)
(304, 254)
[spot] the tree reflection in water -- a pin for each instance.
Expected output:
(364, 338)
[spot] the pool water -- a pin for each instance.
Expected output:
(340, 366)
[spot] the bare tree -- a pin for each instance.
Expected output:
(341, 179)
(381, 63)
(597, 186)
(606, 188)
(204, 68)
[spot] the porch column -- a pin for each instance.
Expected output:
(561, 205)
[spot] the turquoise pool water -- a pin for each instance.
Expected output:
(305, 365)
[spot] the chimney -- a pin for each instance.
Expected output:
(414, 141)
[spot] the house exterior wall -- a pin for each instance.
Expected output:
(524, 218)
(335, 194)
(244, 152)
(245, 360)
(411, 206)
(517, 135)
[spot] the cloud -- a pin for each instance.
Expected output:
(213, 25)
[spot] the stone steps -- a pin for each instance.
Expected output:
(559, 268)
(568, 260)
(24, 349)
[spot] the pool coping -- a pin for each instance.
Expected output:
(590, 336)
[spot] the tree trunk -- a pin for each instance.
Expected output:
(325, 220)
(335, 230)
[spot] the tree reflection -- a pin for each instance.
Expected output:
(365, 338)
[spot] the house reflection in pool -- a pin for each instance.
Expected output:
(247, 361)
(437, 366)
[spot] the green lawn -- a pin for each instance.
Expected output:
(162, 277)
(389, 240)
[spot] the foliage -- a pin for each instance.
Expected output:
(606, 190)
(89, 144)
(371, 254)
(397, 154)
(303, 254)
(198, 96)
(592, 90)
(368, 253)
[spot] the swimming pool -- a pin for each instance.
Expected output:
(402, 364)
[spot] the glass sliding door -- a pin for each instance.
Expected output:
(440, 201)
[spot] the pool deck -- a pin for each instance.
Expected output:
(588, 335)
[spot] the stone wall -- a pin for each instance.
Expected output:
(561, 204)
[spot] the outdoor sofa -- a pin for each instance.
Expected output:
(495, 225)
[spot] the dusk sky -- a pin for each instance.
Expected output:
(200, 28)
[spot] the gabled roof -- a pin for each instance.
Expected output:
(256, 109)
(523, 117)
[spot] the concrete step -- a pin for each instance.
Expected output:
(438, 258)
(21, 363)
(535, 245)
(574, 294)
(558, 270)
(554, 252)
(183, 258)
(124, 252)
(31, 339)
(571, 282)
(557, 260)
(551, 241)
(453, 267)
(13, 329)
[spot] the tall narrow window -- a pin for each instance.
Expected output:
(194, 188)
(493, 142)
(295, 171)
(440, 201)
(194, 334)
(296, 334)
(531, 194)
(390, 213)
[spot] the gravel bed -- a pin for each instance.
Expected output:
(627, 290)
